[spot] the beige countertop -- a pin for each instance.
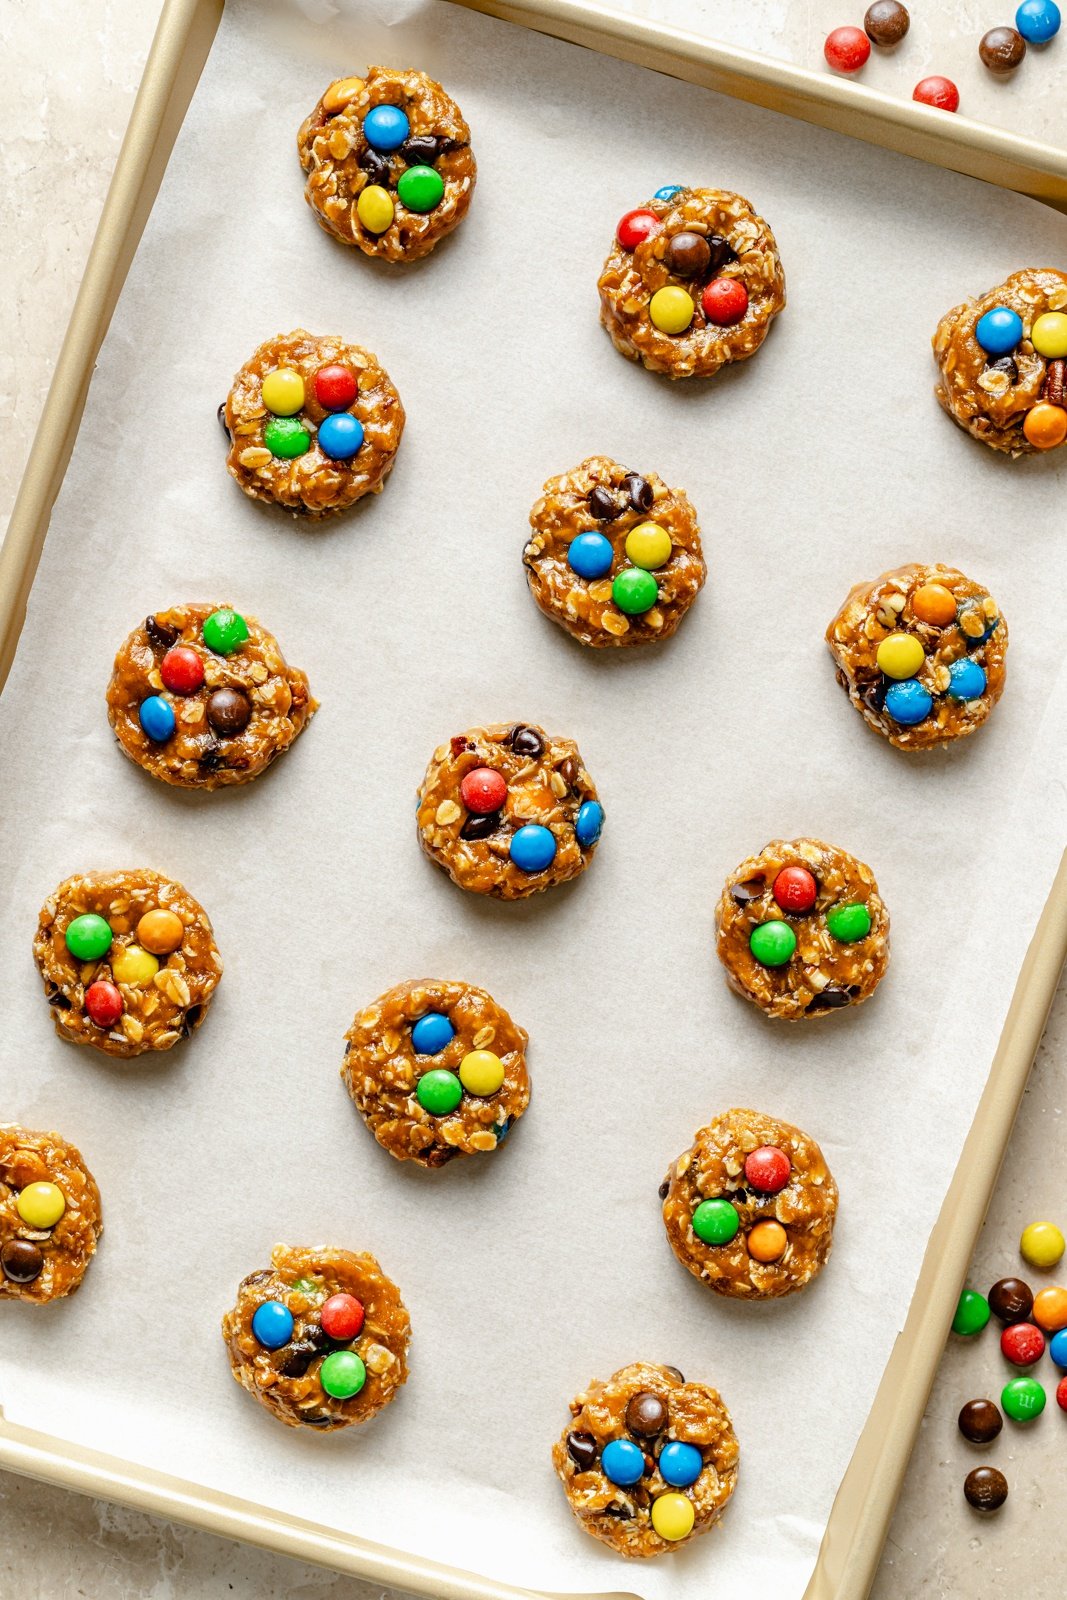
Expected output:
(71, 74)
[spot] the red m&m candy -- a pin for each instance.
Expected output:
(937, 91)
(342, 1316)
(1023, 1344)
(182, 670)
(767, 1169)
(635, 227)
(483, 791)
(103, 1003)
(335, 387)
(724, 301)
(846, 49)
(1061, 1394)
(795, 889)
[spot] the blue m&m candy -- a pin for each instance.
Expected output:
(340, 435)
(272, 1324)
(668, 191)
(533, 848)
(999, 331)
(588, 823)
(1058, 1348)
(157, 718)
(680, 1464)
(386, 127)
(431, 1033)
(590, 555)
(908, 702)
(622, 1462)
(966, 680)
(1038, 21)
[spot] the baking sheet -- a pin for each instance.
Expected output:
(823, 460)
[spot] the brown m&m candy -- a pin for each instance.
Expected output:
(21, 1261)
(985, 1488)
(1010, 1300)
(646, 1414)
(1001, 50)
(688, 255)
(886, 22)
(980, 1421)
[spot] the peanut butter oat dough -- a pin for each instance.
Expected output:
(203, 714)
(802, 929)
(508, 810)
(614, 556)
(750, 1208)
(1009, 396)
(128, 960)
(331, 1347)
(944, 684)
(49, 1216)
(716, 264)
(314, 423)
(437, 1070)
(393, 191)
(645, 1451)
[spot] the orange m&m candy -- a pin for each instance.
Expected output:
(1045, 425)
(935, 604)
(766, 1241)
(1050, 1309)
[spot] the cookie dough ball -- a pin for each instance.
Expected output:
(128, 960)
(647, 1460)
(389, 163)
(201, 696)
(750, 1208)
(1001, 359)
(508, 810)
(314, 424)
(320, 1337)
(921, 652)
(692, 282)
(437, 1070)
(49, 1216)
(802, 929)
(614, 556)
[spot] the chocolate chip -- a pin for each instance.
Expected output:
(526, 741)
(581, 1447)
(604, 504)
(980, 1421)
(873, 696)
(886, 23)
(986, 1489)
(829, 999)
(722, 252)
(221, 414)
(568, 771)
(316, 1336)
(297, 1359)
(639, 490)
(375, 166)
(420, 151)
(688, 255)
(228, 710)
(481, 827)
(210, 758)
(674, 1372)
(21, 1260)
(646, 1414)
(439, 1155)
(1010, 1300)
(1005, 364)
(743, 893)
(664, 1189)
(257, 1277)
(59, 1000)
(160, 634)
(623, 1513)
(1001, 50)
(190, 1020)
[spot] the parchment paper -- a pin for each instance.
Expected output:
(822, 461)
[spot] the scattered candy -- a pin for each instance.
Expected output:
(795, 889)
(340, 436)
(342, 1374)
(182, 670)
(283, 392)
(483, 791)
(680, 1464)
(103, 1003)
(767, 1241)
(1038, 20)
(886, 23)
(1022, 1399)
(40, 1205)
(386, 127)
(846, 49)
(533, 848)
(646, 1414)
(767, 1169)
(937, 91)
(1010, 1300)
(715, 1221)
(648, 545)
(637, 226)
(622, 1462)
(481, 1072)
(342, 1316)
(985, 1488)
(589, 823)
(286, 438)
(1058, 1347)
(1001, 50)
(671, 309)
(1050, 1309)
(1045, 425)
(420, 188)
(21, 1261)
(272, 1324)
(935, 604)
(88, 937)
(849, 923)
(374, 208)
(673, 1516)
(772, 943)
(635, 591)
(1041, 1244)
(908, 702)
(724, 301)
(980, 1421)
(966, 680)
(688, 254)
(1061, 1394)
(1049, 335)
(999, 330)
(229, 711)
(225, 631)
(133, 966)
(668, 191)
(972, 1313)
(157, 718)
(900, 655)
(335, 387)
(431, 1034)
(1022, 1344)
(439, 1092)
(590, 555)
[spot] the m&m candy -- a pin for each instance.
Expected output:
(1057, 1348)
(103, 1003)
(1038, 20)
(972, 1313)
(795, 889)
(481, 1072)
(900, 655)
(1049, 335)
(340, 436)
(767, 1169)
(133, 966)
(908, 702)
(161, 931)
(156, 718)
(1061, 1394)
(88, 937)
(431, 1034)
(622, 1462)
(635, 591)
(40, 1205)
(715, 1221)
(671, 309)
(849, 923)
(533, 848)
(283, 392)
(1022, 1343)
(846, 49)
(668, 191)
(966, 680)
(680, 1464)
(439, 1092)
(648, 545)
(935, 604)
(420, 188)
(1050, 1309)
(342, 1316)
(1022, 1399)
(673, 1516)
(998, 331)
(182, 670)
(375, 208)
(1045, 425)
(589, 823)
(342, 1374)
(483, 791)
(286, 438)
(386, 127)
(1010, 1300)
(335, 387)
(772, 943)
(225, 631)
(937, 91)
(767, 1241)
(1041, 1244)
(637, 226)
(724, 301)
(272, 1324)
(590, 555)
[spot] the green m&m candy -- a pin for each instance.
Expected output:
(849, 923)
(225, 631)
(1022, 1399)
(772, 943)
(420, 188)
(88, 937)
(286, 437)
(972, 1313)
(715, 1221)
(439, 1092)
(342, 1374)
(635, 591)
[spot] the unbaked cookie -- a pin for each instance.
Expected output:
(437, 1070)
(508, 810)
(201, 696)
(49, 1216)
(692, 282)
(921, 652)
(647, 1460)
(614, 556)
(802, 929)
(1001, 358)
(750, 1208)
(128, 960)
(389, 163)
(314, 423)
(320, 1337)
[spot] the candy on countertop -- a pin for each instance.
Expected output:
(1057, 1347)
(937, 91)
(715, 1221)
(986, 1488)
(900, 655)
(1010, 1300)
(283, 392)
(1041, 1244)
(483, 790)
(1022, 1344)
(1050, 1309)
(157, 718)
(980, 1421)
(340, 436)
(999, 330)
(849, 923)
(431, 1033)
(724, 302)
(648, 546)
(386, 127)
(972, 1313)
(439, 1092)
(375, 208)
(886, 22)
(1001, 50)
(634, 591)
(1022, 1399)
(772, 943)
(1061, 1394)
(671, 309)
(908, 702)
(40, 1205)
(103, 1003)
(88, 937)
(1038, 20)
(673, 1516)
(846, 49)
(481, 1072)
(533, 847)
(590, 555)
(272, 1324)
(622, 1462)
(795, 889)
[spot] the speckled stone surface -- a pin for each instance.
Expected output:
(71, 71)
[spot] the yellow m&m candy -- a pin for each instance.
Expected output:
(1049, 335)
(648, 545)
(132, 965)
(481, 1072)
(1045, 425)
(673, 1516)
(41, 1205)
(1042, 1244)
(900, 656)
(374, 208)
(671, 309)
(283, 392)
